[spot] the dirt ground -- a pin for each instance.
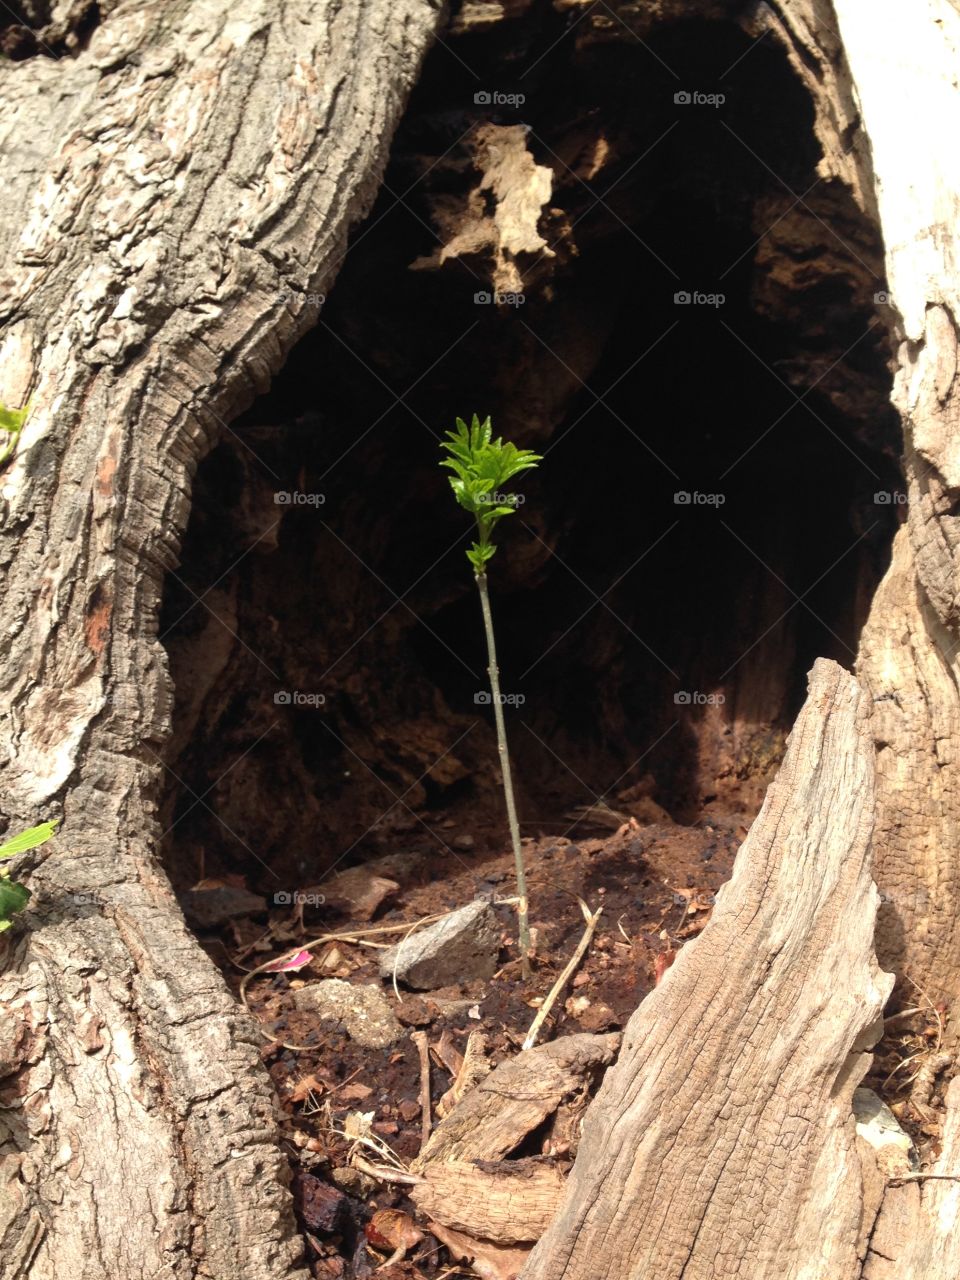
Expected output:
(655, 882)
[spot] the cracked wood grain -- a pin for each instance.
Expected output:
(722, 1143)
(171, 196)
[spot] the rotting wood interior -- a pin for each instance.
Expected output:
(611, 598)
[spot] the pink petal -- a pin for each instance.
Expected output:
(292, 962)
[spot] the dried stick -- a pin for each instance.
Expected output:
(419, 1038)
(564, 978)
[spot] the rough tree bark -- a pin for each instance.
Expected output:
(161, 188)
(160, 191)
(859, 79)
(722, 1142)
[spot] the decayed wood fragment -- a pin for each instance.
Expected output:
(507, 1201)
(723, 1142)
(497, 1115)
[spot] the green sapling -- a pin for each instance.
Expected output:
(480, 466)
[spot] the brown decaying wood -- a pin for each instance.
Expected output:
(509, 1202)
(497, 1115)
(722, 1142)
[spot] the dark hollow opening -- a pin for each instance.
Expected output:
(328, 676)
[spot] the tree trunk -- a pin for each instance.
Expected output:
(722, 1142)
(171, 197)
(176, 193)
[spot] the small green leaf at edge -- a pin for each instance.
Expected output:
(29, 839)
(13, 897)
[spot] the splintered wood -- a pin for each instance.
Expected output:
(722, 1143)
(494, 1207)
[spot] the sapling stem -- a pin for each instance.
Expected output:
(481, 465)
(494, 673)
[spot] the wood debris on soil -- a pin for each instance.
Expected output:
(468, 1180)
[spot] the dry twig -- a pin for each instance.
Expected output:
(561, 982)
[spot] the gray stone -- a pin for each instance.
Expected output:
(461, 946)
(877, 1125)
(364, 1012)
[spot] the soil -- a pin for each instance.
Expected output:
(655, 882)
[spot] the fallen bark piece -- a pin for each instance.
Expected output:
(495, 1117)
(355, 892)
(212, 902)
(322, 1207)
(363, 1011)
(473, 1068)
(464, 944)
(510, 1201)
(490, 1261)
(723, 1142)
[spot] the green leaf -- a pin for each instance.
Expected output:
(479, 554)
(29, 839)
(11, 423)
(480, 465)
(13, 897)
(12, 419)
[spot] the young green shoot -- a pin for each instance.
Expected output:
(14, 896)
(481, 466)
(11, 424)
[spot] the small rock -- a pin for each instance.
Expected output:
(461, 946)
(363, 1011)
(410, 1110)
(356, 892)
(323, 1208)
(353, 1181)
(598, 1017)
(878, 1126)
(464, 843)
(576, 1005)
(213, 902)
(413, 1012)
